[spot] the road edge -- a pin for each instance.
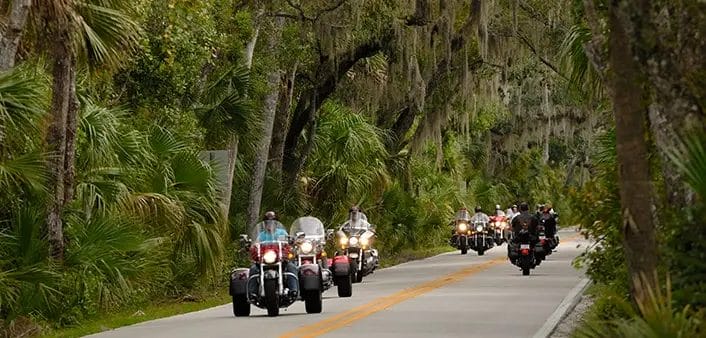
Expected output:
(567, 304)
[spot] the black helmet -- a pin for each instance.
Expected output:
(524, 206)
(354, 208)
(478, 209)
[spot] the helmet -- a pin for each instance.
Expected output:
(478, 209)
(497, 207)
(270, 215)
(524, 206)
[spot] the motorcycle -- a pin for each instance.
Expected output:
(355, 243)
(501, 227)
(481, 238)
(310, 250)
(459, 239)
(522, 253)
(270, 259)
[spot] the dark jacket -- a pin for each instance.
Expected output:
(525, 219)
(549, 224)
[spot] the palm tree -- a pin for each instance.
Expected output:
(94, 31)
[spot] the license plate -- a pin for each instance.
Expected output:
(524, 246)
(353, 255)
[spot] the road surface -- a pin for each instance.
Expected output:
(449, 295)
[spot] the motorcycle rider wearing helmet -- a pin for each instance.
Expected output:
(499, 211)
(525, 219)
(479, 216)
(272, 233)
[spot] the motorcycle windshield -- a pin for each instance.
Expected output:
(312, 228)
(463, 215)
(269, 231)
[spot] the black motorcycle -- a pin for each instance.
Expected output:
(522, 252)
(460, 236)
(482, 237)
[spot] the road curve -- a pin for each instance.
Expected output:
(449, 295)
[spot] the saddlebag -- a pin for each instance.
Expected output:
(239, 281)
(341, 266)
(309, 277)
(513, 251)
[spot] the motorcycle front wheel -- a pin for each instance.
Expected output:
(481, 252)
(464, 250)
(525, 271)
(241, 307)
(271, 297)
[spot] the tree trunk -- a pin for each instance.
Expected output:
(282, 119)
(11, 36)
(630, 111)
(265, 137)
(63, 73)
(71, 126)
(234, 140)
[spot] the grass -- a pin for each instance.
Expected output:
(171, 308)
(146, 312)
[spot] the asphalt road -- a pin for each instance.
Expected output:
(449, 295)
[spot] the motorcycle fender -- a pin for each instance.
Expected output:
(341, 266)
(309, 277)
(239, 281)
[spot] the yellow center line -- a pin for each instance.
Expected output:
(345, 318)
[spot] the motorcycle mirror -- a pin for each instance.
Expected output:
(329, 233)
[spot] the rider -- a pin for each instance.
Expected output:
(271, 232)
(479, 216)
(499, 211)
(549, 222)
(524, 219)
(356, 219)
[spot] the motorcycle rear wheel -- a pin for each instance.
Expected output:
(271, 297)
(241, 307)
(525, 271)
(358, 276)
(345, 286)
(312, 301)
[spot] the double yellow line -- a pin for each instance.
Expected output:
(382, 303)
(345, 318)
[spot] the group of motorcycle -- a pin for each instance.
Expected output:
(479, 234)
(290, 266)
(526, 249)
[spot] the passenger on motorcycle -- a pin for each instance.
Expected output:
(271, 230)
(549, 222)
(525, 220)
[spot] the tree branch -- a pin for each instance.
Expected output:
(531, 47)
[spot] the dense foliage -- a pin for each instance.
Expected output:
(410, 109)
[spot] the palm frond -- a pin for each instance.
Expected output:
(690, 158)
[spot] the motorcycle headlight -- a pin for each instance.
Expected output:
(479, 228)
(364, 241)
(462, 226)
(269, 257)
(353, 241)
(306, 247)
